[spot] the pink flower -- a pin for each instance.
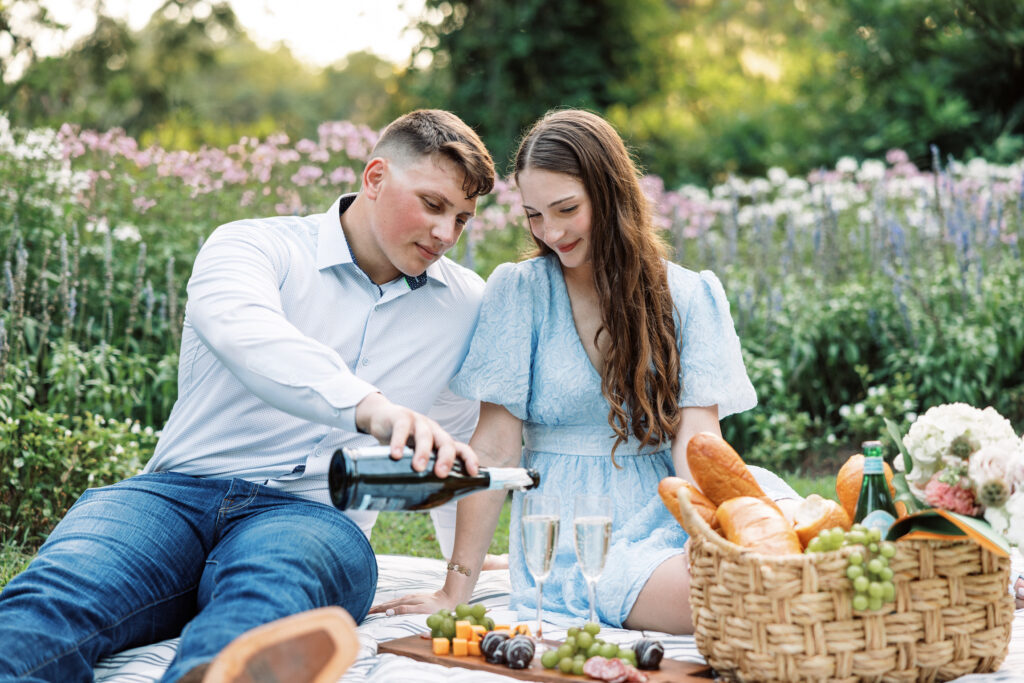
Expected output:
(942, 495)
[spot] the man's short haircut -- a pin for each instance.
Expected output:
(426, 132)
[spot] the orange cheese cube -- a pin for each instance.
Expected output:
(440, 646)
(478, 632)
(460, 647)
(473, 647)
(503, 627)
(464, 630)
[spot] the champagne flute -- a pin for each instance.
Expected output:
(592, 528)
(540, 538)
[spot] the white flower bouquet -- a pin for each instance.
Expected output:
(966, 460)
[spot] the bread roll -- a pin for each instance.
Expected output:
(753, 523)
(668, 489)
(718, 469)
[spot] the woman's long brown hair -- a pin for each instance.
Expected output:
(640, 377)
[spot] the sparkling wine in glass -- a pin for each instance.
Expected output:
(540, 538)
(592, 529)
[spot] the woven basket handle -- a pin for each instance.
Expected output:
(695, 525)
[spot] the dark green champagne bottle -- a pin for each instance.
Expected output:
(369, 479)
(875, 507)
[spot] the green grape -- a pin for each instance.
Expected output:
(566, 651)
(479, 611)
(854, 571)
(836, 535)
(874, 535)
(462, 610)
(860, 584)
(584, 640)
(577, 667)
(571, 642)
(873, 547)
(434, 621)
(471, 619)
(855, 558)
(594, 650)
(448, 628)
(887, 549)
(609, 650)
(592, 628)
(874, 603)
(860, 601)
(566, 664)
(875, 565)
(888, 592)
(855, 538)
(814, 546)
(628, 655)
(579, 657)
(886, 574)
(874, 589)
(573, 631)
(488, 623)
(549, 660)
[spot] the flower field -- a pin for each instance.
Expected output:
(869, 290)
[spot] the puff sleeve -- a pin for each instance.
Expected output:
(711, 363)
(498, 367)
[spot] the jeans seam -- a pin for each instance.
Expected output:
(78, 646)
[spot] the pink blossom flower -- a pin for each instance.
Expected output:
(939, 494)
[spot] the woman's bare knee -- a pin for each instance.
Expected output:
(664, 601)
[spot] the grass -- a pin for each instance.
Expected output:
(412, 533)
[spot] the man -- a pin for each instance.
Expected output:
(302, 335)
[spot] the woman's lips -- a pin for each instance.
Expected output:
(568, 247)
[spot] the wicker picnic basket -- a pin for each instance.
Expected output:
(789, 617)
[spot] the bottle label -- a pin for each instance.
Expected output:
(878, 519)
(873, 465)
(379, 503)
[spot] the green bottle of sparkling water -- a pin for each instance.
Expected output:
(875, 508)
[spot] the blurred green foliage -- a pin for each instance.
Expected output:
(701, 88)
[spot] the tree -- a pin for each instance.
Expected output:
(500, 64)
(922, 72)
(20, 24)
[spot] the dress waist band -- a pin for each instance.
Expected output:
(581, 440)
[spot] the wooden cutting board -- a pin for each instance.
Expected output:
(418, 648)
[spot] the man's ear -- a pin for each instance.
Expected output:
(373, 176)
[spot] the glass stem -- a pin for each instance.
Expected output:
(540, 594)
(591, 592)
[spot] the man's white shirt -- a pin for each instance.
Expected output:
(284, 335)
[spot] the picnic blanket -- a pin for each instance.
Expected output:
(400, 575)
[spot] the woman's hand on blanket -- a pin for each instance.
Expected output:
(416, 603)
(1018, 592)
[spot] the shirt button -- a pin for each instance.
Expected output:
(366, 361)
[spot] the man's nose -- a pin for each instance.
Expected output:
(445, 232)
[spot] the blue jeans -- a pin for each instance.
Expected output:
(164, 554)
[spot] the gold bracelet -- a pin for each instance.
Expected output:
(453, 567)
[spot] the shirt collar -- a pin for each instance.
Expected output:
(333, 249)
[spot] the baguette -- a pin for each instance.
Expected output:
(719, 471)
(753, 523)
(668, 489)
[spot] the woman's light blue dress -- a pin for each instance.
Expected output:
(527, 356)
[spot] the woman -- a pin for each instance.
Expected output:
(603, 359)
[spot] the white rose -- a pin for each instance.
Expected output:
(1014, 510)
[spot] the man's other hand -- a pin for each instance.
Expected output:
(397, 426)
